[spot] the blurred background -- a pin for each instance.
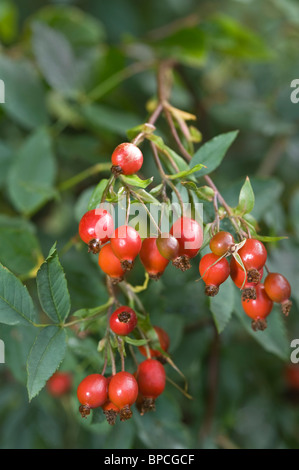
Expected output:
(78, 75)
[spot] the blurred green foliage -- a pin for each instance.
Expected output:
(78, 75)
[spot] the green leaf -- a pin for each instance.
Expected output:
(46, 355)
(205, 193)
(212, 152)
(19, 248)
(134, 180)
(246, 199)
(264, 238)
(16, 306)
(32, 175)
(146, 197)
(24, 94)
(222, 305)
(186, 45)
(6, 158)
(56, 60)
(52, 288)
(182, 174)
(274, 338)
(135, 342)
(80, 28)
(97, 194)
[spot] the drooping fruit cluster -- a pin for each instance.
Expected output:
(246, 268)
(116, 394)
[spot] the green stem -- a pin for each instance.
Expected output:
(74, 180)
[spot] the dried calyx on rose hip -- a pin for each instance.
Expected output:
(214, 270)
(95, 228)
(126, 159)
(189, 235)
(239, 277)
(278, 289)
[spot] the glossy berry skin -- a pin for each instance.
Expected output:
(96, 224)
(123, 321)
(123, 392)
(110, 264)
(189, 234)
(126, 245)
(258, 309)
(153, 262)
(277, 287)
(151, 378)
(221, 243)
(92, 391)
(253, 254)
(164, 343)
(126, 159)
(168, 246)
(59, 384)
(213, 274)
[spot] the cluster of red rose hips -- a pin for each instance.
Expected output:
(246, 269)
(118, 249)
(117, 393)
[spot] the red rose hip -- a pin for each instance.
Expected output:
(278, 289)
(92, 393)
(123, 392)
(126, 245)
(95, 228)
(123, 321)
(110, 264)
(214, 270)
(189, 235)
(151, 378)
(153, 262)
(259, 308)
(126, 159)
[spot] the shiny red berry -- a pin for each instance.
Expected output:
(214, 271)
(258, 309)
(110, 264)
(126, 159)
(221, 243)
(151, 378)
(126, 245)
(123, 321)
(253, 255)
(153, 262)
(59, 384)
(123, 392)
(168, 246)
(95, 228)
(189, 234)
(239, 276)
(164, 341)
(92, 393)
(278, 289)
